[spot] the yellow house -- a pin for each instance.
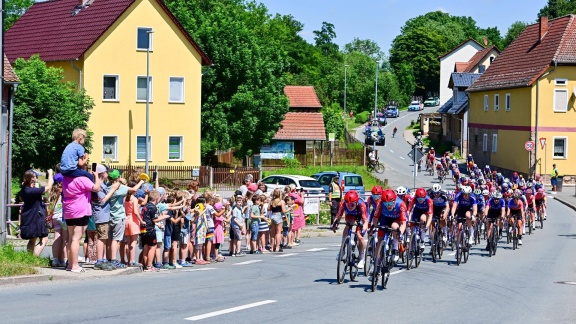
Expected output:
(528, 95)
(103, 46)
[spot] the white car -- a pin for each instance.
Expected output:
(310, 186)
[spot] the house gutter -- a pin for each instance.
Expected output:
(537, 114)
(79, 72)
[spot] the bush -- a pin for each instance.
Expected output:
(362, 117)
(167, 183)
(291, 162)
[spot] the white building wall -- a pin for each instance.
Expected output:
(463, 54)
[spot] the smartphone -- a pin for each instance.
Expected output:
(154, 175)
(46, 174)
(94, 166)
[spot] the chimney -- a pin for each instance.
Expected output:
(543, 27)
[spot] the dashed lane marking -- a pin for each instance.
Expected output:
(229, 310)
(285, 255)
(248, 262)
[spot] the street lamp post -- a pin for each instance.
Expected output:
(345, 66)
(376, 97)
(149, 33)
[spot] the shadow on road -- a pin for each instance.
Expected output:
(572, 236)
(329, 281)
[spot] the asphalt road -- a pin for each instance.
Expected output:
(299, 287)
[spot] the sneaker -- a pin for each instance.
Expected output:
(176, 266)
(471, 240)
(297, 241)
(241, 254)
(519, 242)
(134, 265)
(158, 265)
(117, 264)
(361, 264)
(288, 247)
(184, 264)
(444, 238)
(104, 266)
(168, 267)
(421, 245)
(533, 227)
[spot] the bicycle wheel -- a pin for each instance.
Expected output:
(514, 239)
(342, 261)
(379, 257)
(458, 251)
(410, 251)
(389, 265)
(379, 168)
(369, 167)
(529, 222)
(416, 249)
(541, 218)
(368, 264)
(354, 259)
(434, 243)
(440, 244)
(466, 247)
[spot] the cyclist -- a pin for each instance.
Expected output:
(530, 201)
(465, 208)
(494, 211)
(402, 193)
(372, 202)
(515, 178)
(432, 152)
(391, 212)
(420, 209)
(354, 209)
(394, 132)
(430, 159)
(470, 163)
(487, 172)
(540, 199)
(440, 204)
(455, 173)
(372, 157)
(516, 213)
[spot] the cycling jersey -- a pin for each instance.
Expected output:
(465, 203)
(530, 201)
(493, 205)
(359, 213)
(371, 205)
(469, 159)
(386, 217)
(514, 204)
(480, 202)
(440, 203)
(425, 205)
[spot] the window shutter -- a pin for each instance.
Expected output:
(176, 89)
(560, 100)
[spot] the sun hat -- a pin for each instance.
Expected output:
(253, 187)
(144, 177)
(140, 194)
(218, 206)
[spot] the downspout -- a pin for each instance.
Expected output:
(79, 72)
(537, 113)
(8, 199)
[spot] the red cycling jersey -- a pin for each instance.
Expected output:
(427, 204)
(359, 213)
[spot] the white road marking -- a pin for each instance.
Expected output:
(199, 269)
(317, 249)
(402, 157)
(228, 310)
(397, 272)
(285, 255)
(453, 253)
(338, 245)
(248, 262)
(391, 151)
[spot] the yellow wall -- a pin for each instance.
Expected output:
(519, 114)
(115, 53)
(547, 116)
(70, 74)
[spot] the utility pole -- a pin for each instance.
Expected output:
(345, 66)
(3, 146)
(376, 97)
(149, 33)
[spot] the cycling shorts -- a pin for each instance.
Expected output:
(516, 213)
(388, 221)
(438, 211)
(416, 213)
(494, 213)
(539, 202)
(354, 219)
(461, 214)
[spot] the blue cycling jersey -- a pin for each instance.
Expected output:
(357, 211)
(440, 201)
(480, 201)
(492, 204)
(465, 203)
(394, 213)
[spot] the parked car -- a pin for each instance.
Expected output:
(392, 111)
(432, 102)
(309, 185)
(414, 105)
(350, 181)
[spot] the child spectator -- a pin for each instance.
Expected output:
(255, 217)
(219, 219)
(71, 164)
(60, 230)
(177, 220)
(247, 215)
(201, 228)
(237, 228)
(185, 232)
(264, 226)
(151, 218)
(209, 212)
(132, 227)
(288, 220)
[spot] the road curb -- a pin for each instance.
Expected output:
(25, 279)
(569, 205)
(62, 275)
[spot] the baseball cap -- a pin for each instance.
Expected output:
(162, 191)
(147, 186)
(140, 194)
(58, 178)
(101, 168)
(114, 174)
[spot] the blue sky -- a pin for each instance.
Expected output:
(380, 20)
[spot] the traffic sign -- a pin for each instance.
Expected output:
(542, 142)
(419, 154)
(331, 137)
(529, 145)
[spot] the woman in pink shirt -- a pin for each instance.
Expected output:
(76, 211)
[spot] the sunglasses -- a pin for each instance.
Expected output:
(420, 199)
(388, 203)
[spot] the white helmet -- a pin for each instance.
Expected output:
(485, 192)
(469, 154)
(436, 188)
(477, 192)
(506, 180)
(497, 195)
(431, 148)
(401, 190)
(466, 190)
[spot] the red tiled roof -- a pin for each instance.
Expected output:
(478, 57)
(527, 58)
(457, 47)
(461, 66)
(302, 126)
(302, 97)
(49, 29)
(9, 74)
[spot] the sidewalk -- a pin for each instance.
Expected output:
(566, 197)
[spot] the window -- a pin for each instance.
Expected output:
(110, 148)
(560, 100)
(141, 148)
(481, 68)
(270, 180)
(143, 39)
(326, 179)
(485, 102)
(110, 88)
(141, 88)
(175, 148)
(485, 143)
(507, 102)
(353, 181)
(494, 143)
(176, 89)
(491, 59)
(560, 82)
(496, 102)
(560, 147)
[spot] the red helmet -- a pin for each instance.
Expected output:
(420, 193)
(515, 173)
(351, 197)
(388, 196)
(540, 190)
(494, 172)
(377, 190)
(507, 194)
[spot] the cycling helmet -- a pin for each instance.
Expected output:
(506, 180)
(497, 195)
(477, 192)
(388, 196)
(470, 155)
(537, 177)
(351, 197)
(515, 174)
(431, 148)
(507, 194)
(518, 192)
(499, 174)
(401, 190)
(475, 165)
(420, 193)
(485, 192)
(529, 191)
(487, 166)
(436, 188)
(482, 181)
(530, 184)
(540, 190)
(377, 190)
(466, 190)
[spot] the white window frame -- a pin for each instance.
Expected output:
(565, 138)
(149, 152)
(486, 102)
(115, 159)
(150, 89)
(151, 39)
(494, 143)
(496, 102)
(183, 87)
(181, 158)
(561, 82)
(554, 100)
(507, 103)
(485, 143)
(117, 76)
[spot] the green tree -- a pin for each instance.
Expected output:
(333, 122)
(493, 37)
(557, 8)
(406, 80)
(46, 111)
(325, 38)
(365, 46)
(513, 32)
(14, 10)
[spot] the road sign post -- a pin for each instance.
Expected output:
(416, 155)
(543, 145)
(530, 146)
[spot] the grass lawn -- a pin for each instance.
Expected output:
(18, 263)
